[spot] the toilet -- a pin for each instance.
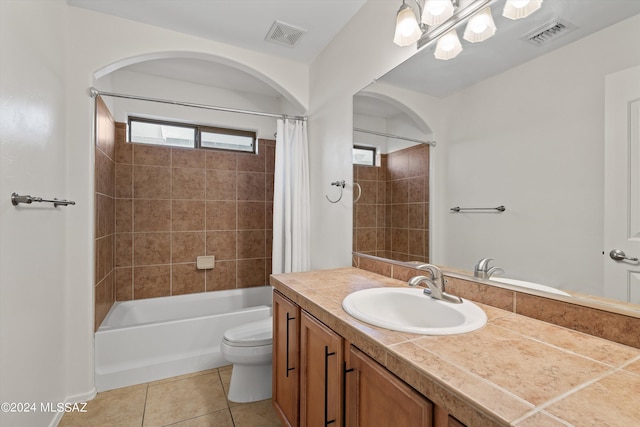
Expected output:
(249, 348)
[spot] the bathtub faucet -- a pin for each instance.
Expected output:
(435, 284)
(483, 271)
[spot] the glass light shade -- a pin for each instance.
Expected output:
(448, 46)
(518, 9)
(435, 12)
(480, 27)
(407, 28)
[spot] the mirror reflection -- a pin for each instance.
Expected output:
(526, 127)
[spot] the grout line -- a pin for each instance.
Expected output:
(144, 407)
(575, 389)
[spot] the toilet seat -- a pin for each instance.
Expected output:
(253, 334)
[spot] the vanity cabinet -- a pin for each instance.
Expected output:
(286, 368)
(320, 379)
(376, 397)
(321, 364)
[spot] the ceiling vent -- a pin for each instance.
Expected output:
(284, 34)
(550, 31)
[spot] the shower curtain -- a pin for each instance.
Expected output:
(291, 213)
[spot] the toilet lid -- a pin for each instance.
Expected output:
(251, 334)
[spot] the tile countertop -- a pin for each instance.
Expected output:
(515, 371)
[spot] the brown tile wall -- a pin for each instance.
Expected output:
(609, 325)
(391, 217)
(104, 290)
(173, 205)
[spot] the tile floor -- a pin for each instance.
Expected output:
(192, 400)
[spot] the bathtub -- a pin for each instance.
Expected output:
(151, 339)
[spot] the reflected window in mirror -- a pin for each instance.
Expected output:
(363, 155)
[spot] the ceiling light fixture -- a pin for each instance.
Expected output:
(480, 27)
(435, 12)
(439, 19)
(407, 29)
(518, 9)
(448, 46)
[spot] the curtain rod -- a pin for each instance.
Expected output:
(93, 92)
(388, 135)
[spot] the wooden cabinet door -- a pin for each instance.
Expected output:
(321, 356)
(375, 397)
(286, 358)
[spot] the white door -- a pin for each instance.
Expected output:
(622, 186)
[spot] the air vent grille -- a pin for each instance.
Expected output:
(550, 31)
(284, 34)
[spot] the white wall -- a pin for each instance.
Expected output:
(33, 282)
(532, 139)
(146, 85)
(362, 52)
(50, 56)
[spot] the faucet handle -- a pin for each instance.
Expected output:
(494, 270)
(483, 264)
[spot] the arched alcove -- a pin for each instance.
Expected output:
(206, 57)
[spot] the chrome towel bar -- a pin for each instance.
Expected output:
(16, 199)
(459, 209)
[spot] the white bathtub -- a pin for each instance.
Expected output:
(151, 339)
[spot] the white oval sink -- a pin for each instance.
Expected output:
(410, 310)
(530, 285)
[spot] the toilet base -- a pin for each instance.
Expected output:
(250, 383)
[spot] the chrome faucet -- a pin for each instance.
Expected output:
(435, 284)
(483, 271)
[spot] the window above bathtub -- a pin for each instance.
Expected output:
(174, 134)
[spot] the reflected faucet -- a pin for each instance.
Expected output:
(435, 284)
(483, 271)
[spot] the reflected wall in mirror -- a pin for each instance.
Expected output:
(523, 126)
(391, 216)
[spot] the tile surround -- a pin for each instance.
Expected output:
(105, 212)
(391, 216)
(171, 205)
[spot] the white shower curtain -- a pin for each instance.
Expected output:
(291, 213)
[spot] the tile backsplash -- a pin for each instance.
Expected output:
(173, 205)
(610, 325)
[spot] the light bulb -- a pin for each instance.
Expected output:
(519, 4)
(435, 12)
(518, 9)
(448, 46)
(448, 42)
(478, 23)
(480, 27)
(407, 28)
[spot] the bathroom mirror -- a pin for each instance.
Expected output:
(518, 125)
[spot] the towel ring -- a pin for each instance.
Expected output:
(340, 184)
(355, 184)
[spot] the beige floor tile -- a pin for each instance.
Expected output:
(181, 377)
(216, 419)
(225, 377)
(121, 407)
(255, 414)
(170, 402)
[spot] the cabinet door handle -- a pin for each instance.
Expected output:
(288, 368)
(345, 371)
(326, 385)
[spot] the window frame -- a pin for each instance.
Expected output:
(197, 129)
(367, 148)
